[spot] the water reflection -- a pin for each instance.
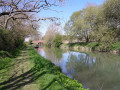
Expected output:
(96, 71)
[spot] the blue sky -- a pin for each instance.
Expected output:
(65, 11)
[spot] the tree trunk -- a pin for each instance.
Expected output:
(87, 39)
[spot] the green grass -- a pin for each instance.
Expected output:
(5, 62)
(95, 45)
(115, 46)
(11, 53)
(77, 44)
(6, 68)
(14, 53)
(2, 54)
(90, 44)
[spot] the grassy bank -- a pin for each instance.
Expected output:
(52, 79)
(30, 71)
(115, 46)
(95, 46)
(92, 45)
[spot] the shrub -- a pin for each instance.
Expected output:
(57, 41)
(10, 40)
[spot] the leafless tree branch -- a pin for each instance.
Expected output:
(12, 9)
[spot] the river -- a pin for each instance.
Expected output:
(96, 71)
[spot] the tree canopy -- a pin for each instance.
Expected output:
(96, 23)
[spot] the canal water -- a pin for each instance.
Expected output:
(96, 71)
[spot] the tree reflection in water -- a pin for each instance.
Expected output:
(96, 71)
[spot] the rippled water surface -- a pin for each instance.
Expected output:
(96, 71)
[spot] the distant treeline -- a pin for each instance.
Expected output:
(96, 23)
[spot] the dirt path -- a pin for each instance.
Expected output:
(22, 75)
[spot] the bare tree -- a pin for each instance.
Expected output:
(23, 9)
(52, 31)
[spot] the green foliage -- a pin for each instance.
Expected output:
(5, 62)
(6, 40)
(106, 37)
(93, 44)
(10, 40)
(104, 46)
(2, 54)
(57, 41)
(77, 44)
(115, 46)
(81, 23)
(42, 64)
(15, 52)
(97, 23)
(11, 53)
(112, 10)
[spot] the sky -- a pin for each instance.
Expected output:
(64, 11)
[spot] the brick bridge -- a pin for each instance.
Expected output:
(38, 42)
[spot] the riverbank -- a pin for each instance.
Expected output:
(30, 71)
(92, 46)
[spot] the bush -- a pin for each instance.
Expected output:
(10, 40)
(57, 41)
